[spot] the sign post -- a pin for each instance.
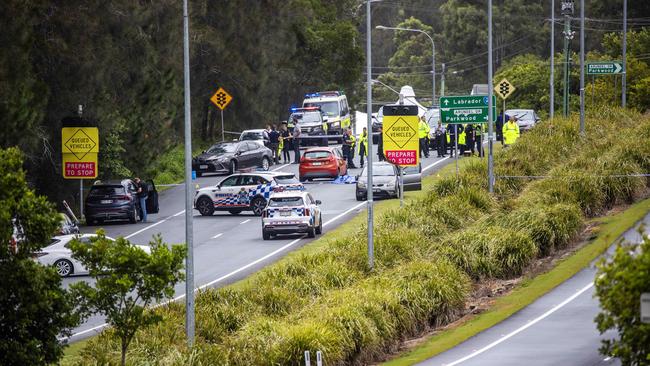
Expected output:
(400, 137)
(221, 99)
(504, 89)
(79, 147)
(645, 307)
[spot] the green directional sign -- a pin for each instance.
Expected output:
(604, 68)
(466, 109)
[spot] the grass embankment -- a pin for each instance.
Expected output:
(608, 229)
(428, 254)
(169, 168)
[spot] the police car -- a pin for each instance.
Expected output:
(243, 192)
(291, 212)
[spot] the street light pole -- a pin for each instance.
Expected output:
(552, 78)
(189, 266)
(369, 193)
(624, 78)
(490, 106)
(582, 67)
(567, 11)
(433, 56)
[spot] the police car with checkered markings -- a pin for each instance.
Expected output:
(292, 212)
(243, 192)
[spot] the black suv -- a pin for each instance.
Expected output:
(117, 200)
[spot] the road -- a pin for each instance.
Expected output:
(556, 329)
(228, 248)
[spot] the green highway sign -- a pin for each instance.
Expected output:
(466, 109)
(604, 68)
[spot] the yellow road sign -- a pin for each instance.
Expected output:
(74, 168)
(221, 99)
(400, 138)
(80, 141)
(504, 89)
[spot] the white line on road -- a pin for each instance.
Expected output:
(434, 164)
(216, 236)
(150, 226)
(524, 327)
(280, 167)
(245, 221)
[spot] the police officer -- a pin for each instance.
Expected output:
(461, 138)
(478, 139)
(348, 144)
(469, 138)
(439, 141)
(423, 132)
(451, 138)
(380, 145)
(510, 132)
(362, 146)
(296, 141)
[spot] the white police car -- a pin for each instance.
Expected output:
(291, 212)
(243, 192)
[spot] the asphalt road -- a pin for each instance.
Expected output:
(557, 329)
(230, 247)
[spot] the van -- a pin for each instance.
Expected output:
(334, 107)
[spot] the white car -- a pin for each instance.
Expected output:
(59, 255)
(526, 118)
(258, 135)
(243, 192)
(292, 212)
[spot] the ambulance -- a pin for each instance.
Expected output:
(333, 106)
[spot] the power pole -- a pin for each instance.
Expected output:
(624, 78)
(442, 81)
(582, 67)
(552, 78)
(369, 193)
(567, 11)
(189, 191)
(490, 106)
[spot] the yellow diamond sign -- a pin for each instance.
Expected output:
(80, 141)
(221, 99)
(504, 89)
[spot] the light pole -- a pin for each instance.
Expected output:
(582, 67)
(624, 79)
(490, 106)
(567, 11)
(433, 57)
(385, 85)
(552, 78)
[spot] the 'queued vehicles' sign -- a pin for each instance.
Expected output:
(400, 134)
(80, 146)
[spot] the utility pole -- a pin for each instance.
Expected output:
(442, 81)
(582, 67)
(567, 11)
(189, 192)
(624, 78)
(369, 193)
(490, 106)
(552, 78)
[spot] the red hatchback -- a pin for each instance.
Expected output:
(322, 162)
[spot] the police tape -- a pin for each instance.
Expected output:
(640, 175)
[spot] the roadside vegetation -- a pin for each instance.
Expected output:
(428, 255)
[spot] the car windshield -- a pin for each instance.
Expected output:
(380, 171)
(527, 115)
(106, 191)
(329, 108)
(250, 136)
(307, 117)
(285, 201)
(222, 148)
(286, 179)
(317, 154)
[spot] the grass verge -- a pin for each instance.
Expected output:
(609, 228)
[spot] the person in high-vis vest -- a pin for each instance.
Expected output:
(461, 139)
(423, 132)
(362, 146)
(348, 146)
(510, 132)
(478, 139)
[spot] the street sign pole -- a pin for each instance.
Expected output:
(490, 126)
(223, 133)
(81, 198)
(456, 149)
(369, 193)
(624, 79)
(189, 266)
(552, 78)
(582, 67)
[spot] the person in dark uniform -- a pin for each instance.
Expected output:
(439, 141)
(478, 138)
(469, 138)
(499, 126)
(348, 144)
(380, 145)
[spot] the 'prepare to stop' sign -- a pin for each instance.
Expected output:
(402, 157)
(81, 169)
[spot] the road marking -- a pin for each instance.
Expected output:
(245, 221)
(216, 236)
(150, 226)
(280, 167)
(435, 163)
(607, 359)
(178, 214)
(344, 213)
(524, 327)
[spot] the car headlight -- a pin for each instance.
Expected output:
(361, 184)
(390, 185)
(336, 124)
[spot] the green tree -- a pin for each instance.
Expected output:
(35, 308)
(127, 281)
(619, 284)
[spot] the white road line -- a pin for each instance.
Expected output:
(245, 221)
(434, 164)
(150, 226)
(344, 213)
(607, 359)
(216, 236)
(280, 167)
(524, 327)
(178, 214)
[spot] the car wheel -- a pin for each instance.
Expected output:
(303, 180)
(266, 163)
(258, 205)
(319, 228)
(64, 267)
(266, 235)
(311, 232)
(360, 197)
(134, 217)
(233, 167)
(234, 212)
(90, 222)
(205, 206)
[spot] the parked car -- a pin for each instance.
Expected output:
(258, 135)
(292, 212)
(67, 225)
(526, 118)
(243, 192)
(59, 255)
(117, 200)
(228, 157)
(385, 181)
(322, 162)
(311, 121)
(412, 178)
